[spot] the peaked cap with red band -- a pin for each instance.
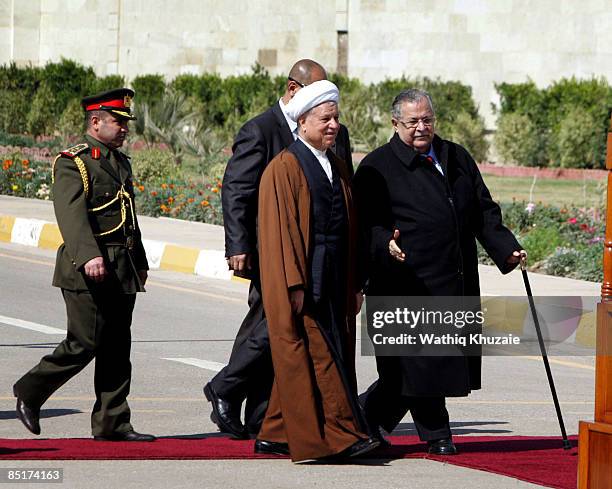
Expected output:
(117, 101)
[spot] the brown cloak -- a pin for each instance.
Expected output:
(309, 405)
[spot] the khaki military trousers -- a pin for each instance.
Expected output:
(98, 327)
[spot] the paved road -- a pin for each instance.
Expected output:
(183, 330)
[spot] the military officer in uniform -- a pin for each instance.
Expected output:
(100, 267)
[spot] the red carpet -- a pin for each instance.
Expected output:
(539, 460)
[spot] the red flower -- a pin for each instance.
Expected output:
(584, 227)
(572, 220)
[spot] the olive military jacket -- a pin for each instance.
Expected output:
(93, 198)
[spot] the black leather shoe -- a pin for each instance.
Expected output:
(30, 417)
(224, 415)
(445, 446)
(383, 442)
(271, 447)
(127, 436)
(360, 447)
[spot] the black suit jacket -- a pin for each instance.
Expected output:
(257, 142)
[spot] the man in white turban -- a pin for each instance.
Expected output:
(307, 235)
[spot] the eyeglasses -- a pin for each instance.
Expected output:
(414, 123)
(295, 81)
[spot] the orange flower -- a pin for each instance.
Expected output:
(172, 186)
(25, 163)
(164, 208)
(219, 184)
(6, 164)
(141, 188)
(154, 194)
(164, 186)
(204, 203)
(215, 190)
(190, 200)
(170, 200)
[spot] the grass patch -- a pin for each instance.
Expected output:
(559, 193)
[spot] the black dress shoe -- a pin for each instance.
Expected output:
(445, 446)
(360, 447)
(271, 447)
(30, 417)
(383, 442)
(224, 415)
(127, 436)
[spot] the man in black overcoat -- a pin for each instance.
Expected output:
(249, 373)
(422, 204)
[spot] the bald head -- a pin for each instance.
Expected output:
(304, 72)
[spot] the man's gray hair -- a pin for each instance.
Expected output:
(412, 95)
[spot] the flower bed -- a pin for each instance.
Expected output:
(566, 242)
(21, 177)
(181, 200)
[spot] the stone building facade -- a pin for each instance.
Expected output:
(479, 42)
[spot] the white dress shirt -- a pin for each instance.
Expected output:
(321, 158)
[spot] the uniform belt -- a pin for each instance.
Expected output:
(128, 243)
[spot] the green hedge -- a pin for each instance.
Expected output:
(564, 124)
(223, 104)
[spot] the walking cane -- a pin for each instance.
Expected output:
(551, 382)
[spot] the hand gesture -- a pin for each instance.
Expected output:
(394, 250)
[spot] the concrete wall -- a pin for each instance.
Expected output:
(481, 42)
(478, 42)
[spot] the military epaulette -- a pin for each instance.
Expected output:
(73, 154)
(74, 150)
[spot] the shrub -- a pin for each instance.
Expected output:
(518, 141)
(66, 80)
(17, 88)
(14, 108)
(207, 89)
(469, 132)
(41, 117)
(108, 82)
(550, 110)
(72, 121)
(522, 98)
(541, 242)
(166, 121)
(148, 88)
(577, 142)
(154, 165)
(583, 263)
(367, 127)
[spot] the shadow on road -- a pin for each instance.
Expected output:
(44, 413)
(458, 428)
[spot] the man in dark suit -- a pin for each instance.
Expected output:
(422, 203)
(249, 373)
(100, 267)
